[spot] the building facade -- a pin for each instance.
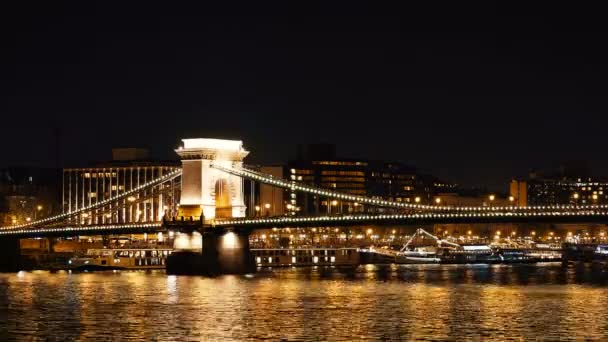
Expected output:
(318, 165)
(570, 184)
(27, 194)
(86, 186)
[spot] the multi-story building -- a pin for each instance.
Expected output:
(318, 165)
(567, 185)
(129, 169)
(28, 193)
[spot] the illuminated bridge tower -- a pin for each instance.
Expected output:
(212, 194)
(209, 191)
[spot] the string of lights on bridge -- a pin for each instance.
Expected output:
(108, 201)
(392, 217)
(308, 220)
(267, 179)
(80, 229)
(435, 211)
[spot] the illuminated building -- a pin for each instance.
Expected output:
(129, 168)
(570, 184)
(318, 165)
(28, 192)
(271, 199)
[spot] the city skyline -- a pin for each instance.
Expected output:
(474, 99)
(232, 171)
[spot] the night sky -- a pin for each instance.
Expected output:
(474, 94)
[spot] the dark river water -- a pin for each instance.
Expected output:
(438, 302)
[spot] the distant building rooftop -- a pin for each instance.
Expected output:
(124, 154)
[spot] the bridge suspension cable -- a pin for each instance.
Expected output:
(281, 183)
(48, 220)
(421, 231)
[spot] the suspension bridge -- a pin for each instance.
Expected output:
(205, 197)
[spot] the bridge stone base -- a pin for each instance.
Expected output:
(224, 252)
(10, 255)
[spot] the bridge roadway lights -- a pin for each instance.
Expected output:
(224, 251)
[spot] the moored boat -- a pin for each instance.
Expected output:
(120, 259)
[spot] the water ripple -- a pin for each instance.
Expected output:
(439, 302)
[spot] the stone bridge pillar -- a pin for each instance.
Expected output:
(213, 252)
(10, 255)
(208, 191)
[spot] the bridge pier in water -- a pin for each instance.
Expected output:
(213, 252)
(10, 255)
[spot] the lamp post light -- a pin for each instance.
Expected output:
(491, 198)
(38, 208)
(257, 210)
(267, 207)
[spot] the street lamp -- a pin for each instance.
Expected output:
(438, 200)
(257, 210)
(267, 206)
(417, 199)
(575, 196)
(334, 203)
(38, 208)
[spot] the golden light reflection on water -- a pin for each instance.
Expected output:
(371, 302)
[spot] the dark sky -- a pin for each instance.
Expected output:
(475, 94)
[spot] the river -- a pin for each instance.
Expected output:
(371, 302)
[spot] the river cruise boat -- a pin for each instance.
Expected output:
(471, 254)
(540, 253)
(120, 259)
(276, 257)
(419, 255)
